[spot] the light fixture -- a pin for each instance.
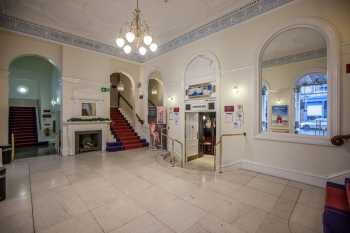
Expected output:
(127, 49)
(154, 91)
(153, 47)
(136, 35)
(120, 42)
(120, 86)
(235, 90)
(147, 40)
(22, 89)
(171, 99)
(142, 50)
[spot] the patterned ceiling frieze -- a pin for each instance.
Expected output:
(242, 14)
(313, 54)
(18, 25)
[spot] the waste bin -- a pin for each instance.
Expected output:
(6, 154)
(2, 183)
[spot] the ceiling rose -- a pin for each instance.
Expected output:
(136, 35)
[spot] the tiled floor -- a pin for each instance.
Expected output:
(133, 192)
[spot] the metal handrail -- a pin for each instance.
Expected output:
(13, 146)
(339, 139)
(173, 140)
(220, 142)
(120, 96)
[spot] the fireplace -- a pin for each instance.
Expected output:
(86, 141)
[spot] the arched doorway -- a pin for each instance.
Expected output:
(34, 106)
(123, 116)
(156, 110)
(202, 115)
(122, 92)
(155, 92)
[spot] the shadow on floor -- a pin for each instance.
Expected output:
(34, 151)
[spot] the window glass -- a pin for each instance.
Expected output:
(295, 101)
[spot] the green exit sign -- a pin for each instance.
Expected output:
(104, 89)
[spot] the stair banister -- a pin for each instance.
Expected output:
(340, 139)
(120, 96)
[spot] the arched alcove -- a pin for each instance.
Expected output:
(155, 89)
(325, 53)
(34, 92)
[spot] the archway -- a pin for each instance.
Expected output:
(202, 114)
(34, 106)
(156, 110)
(155, 92)
(122, 91)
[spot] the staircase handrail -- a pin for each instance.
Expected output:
(151, 103)
(339, 140)
(120, 96)
(220, 142)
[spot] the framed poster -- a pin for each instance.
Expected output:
(280, 116)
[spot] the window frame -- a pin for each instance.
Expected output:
(333, 77)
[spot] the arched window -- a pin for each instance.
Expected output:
(304, 110)
(311, 104)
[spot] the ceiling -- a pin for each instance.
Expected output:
(101, 19)
(294, 41)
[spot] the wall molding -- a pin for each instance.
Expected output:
(308, 55)
(246, 12)
(290, 174)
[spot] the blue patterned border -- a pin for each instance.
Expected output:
(242, 14)
(313, 54)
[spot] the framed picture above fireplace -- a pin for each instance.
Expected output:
(88, 109)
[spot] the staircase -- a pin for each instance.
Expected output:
(22, 122)
(125, 135)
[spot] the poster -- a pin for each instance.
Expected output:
(161, 117)
(238, 117)
(280, 115)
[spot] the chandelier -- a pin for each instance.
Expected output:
(136, 35)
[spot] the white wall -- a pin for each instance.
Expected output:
(237, 49)
(82, 72)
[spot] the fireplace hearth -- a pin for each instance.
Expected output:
(86, 141)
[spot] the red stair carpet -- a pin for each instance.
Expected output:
(126, 137)
(22, 122)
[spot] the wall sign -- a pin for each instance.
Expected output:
(105, 89)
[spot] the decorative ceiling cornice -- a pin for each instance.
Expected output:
(248, 11)
(299, 57)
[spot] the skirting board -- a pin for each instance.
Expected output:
(307, 178)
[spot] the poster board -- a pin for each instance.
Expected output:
(280, 118)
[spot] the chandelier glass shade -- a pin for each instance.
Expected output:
(154, 91)
(136, 35)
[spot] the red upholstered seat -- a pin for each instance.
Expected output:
(348, 191)
(336, 197)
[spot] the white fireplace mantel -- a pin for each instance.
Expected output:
(70, 127)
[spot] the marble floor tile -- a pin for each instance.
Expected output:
(144, 224)
(153, 198)
(84, 223)
(136, 191)
(256, 198)
(308, 217)
(117, 213)
(266, 185)
(212, 224)
(179, 215)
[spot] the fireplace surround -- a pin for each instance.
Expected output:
(90, 140)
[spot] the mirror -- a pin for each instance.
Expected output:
(88, 109)
(293, 84)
